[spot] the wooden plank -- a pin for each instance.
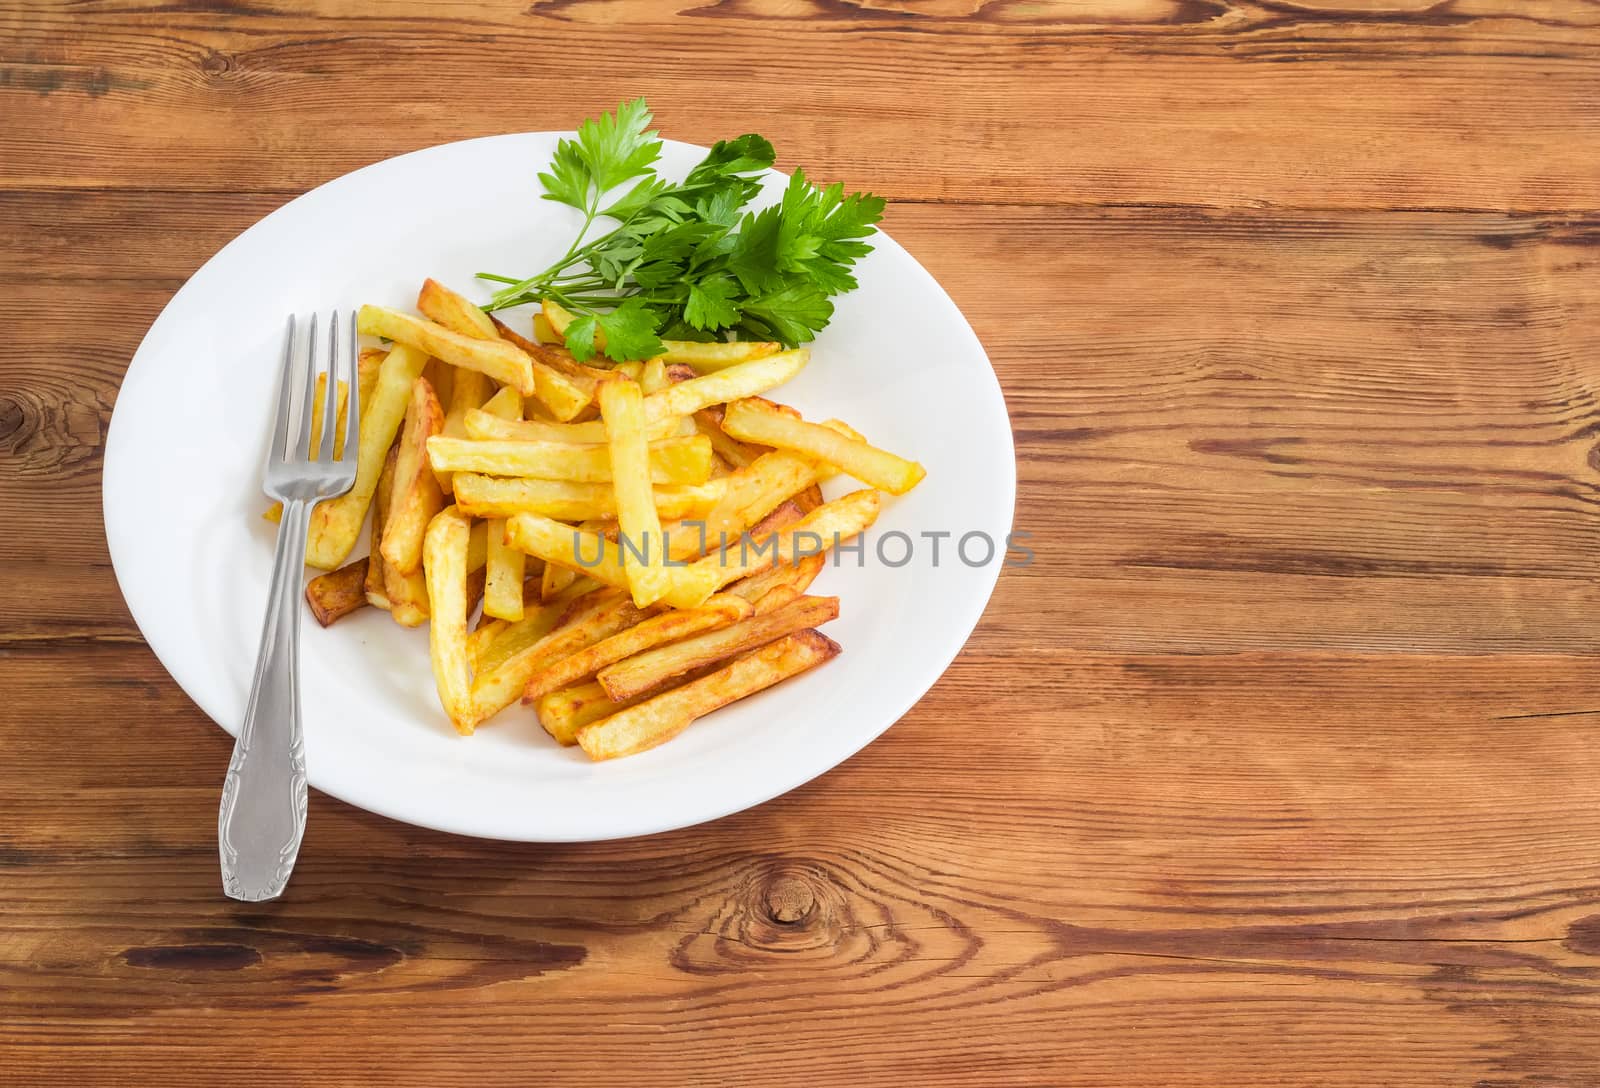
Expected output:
(1249, 869)
(1483, 106)
(1249, 431)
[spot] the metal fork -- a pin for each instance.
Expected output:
(263, 813)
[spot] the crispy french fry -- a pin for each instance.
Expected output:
(809, 499)
(567, 500)
(754, 420)
(565, 391)
(416, 498)
(338, 593)
(720, 611)
(445, 562)
(482, 636)
(823, 528)
(442, 376)
(653, 721)
(760, 487)
(506, 406)
(502, 590)
(584, 552)
(762, 588)
(736, 453)
(652, 668)
(672, 460)
(554, 581)
(651, 379)
(630, 369)
(483, 426)
(544, 332)
(336, 523)
(562, 713)
(438, 303)
(512, 638)
(468, 391)
(745, 379)
(717, 355)
(377, 595)
(558, 317)
(622, 410)
(498, 687)
(504, 362)
(407, 595)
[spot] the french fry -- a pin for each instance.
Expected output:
(653, 721)
(502, 589)
(444, 561)
(720, 611)
(497, 687)
(336, 523)
(544, 332)
(717, 355)
(745, 379)
(506, 406)
(652, 668)
(438, 303)
(416, 498)
(566, 500)
(754, 420)
(468, 392)
(565, 390)
(505, 363)
(377, 595)
(584, 552)
(631, 369)
(672, 460)
(442, 376)
(622, 410)
(562, 713)
(407, 595)
(809, 499)
(760, 487)
(823, 528)
(274, 512)
(558, 317)
(483, 426)
(652, 378)
(770, 589)
(733, 451)
(554, 581)
(510, 639)
(338, 593)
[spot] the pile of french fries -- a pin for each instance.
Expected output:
(623, 549)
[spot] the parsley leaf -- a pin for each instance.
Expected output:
(687, 259)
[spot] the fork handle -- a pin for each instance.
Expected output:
(263, 813)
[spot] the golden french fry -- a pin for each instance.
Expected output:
(506, 406)
(566, 391)
(622, 410)
(442, 376)
(468, 392)
(754, 420)
(772, 588)
(653, 721)
(717, 355)
(416, 498)
(338, 593)
(559, 318)
(745, 379)
(652, 668)
(736, 453)
(438, 303)
(757, 489)
(554, 581)
(502, 590)
(584, 552)
(336, 523)
(567, 500)
(564, 712)
(674, 460)
(652, 378)
(504, 362)
(825, 527)
(497, 687)
(407, 595)
(512, 638)
(720, 611)
(485, 427)
(482, 636)
(544, 332)
(630, 369)
(445, 562)
(377, 595)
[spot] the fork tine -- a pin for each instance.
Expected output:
(330, 399)
(303, 442)
(352, 425)
(277, 450)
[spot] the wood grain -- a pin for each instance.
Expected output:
(1276, 767)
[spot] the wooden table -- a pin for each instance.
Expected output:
(1277, 767)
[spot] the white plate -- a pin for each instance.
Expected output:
(192, 553)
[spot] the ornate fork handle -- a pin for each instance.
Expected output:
(263, 813)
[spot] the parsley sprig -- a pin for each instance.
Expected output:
(686, 261)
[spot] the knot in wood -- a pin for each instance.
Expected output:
(13, 421)
(788, 898)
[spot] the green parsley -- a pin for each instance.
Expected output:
(686, 261)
